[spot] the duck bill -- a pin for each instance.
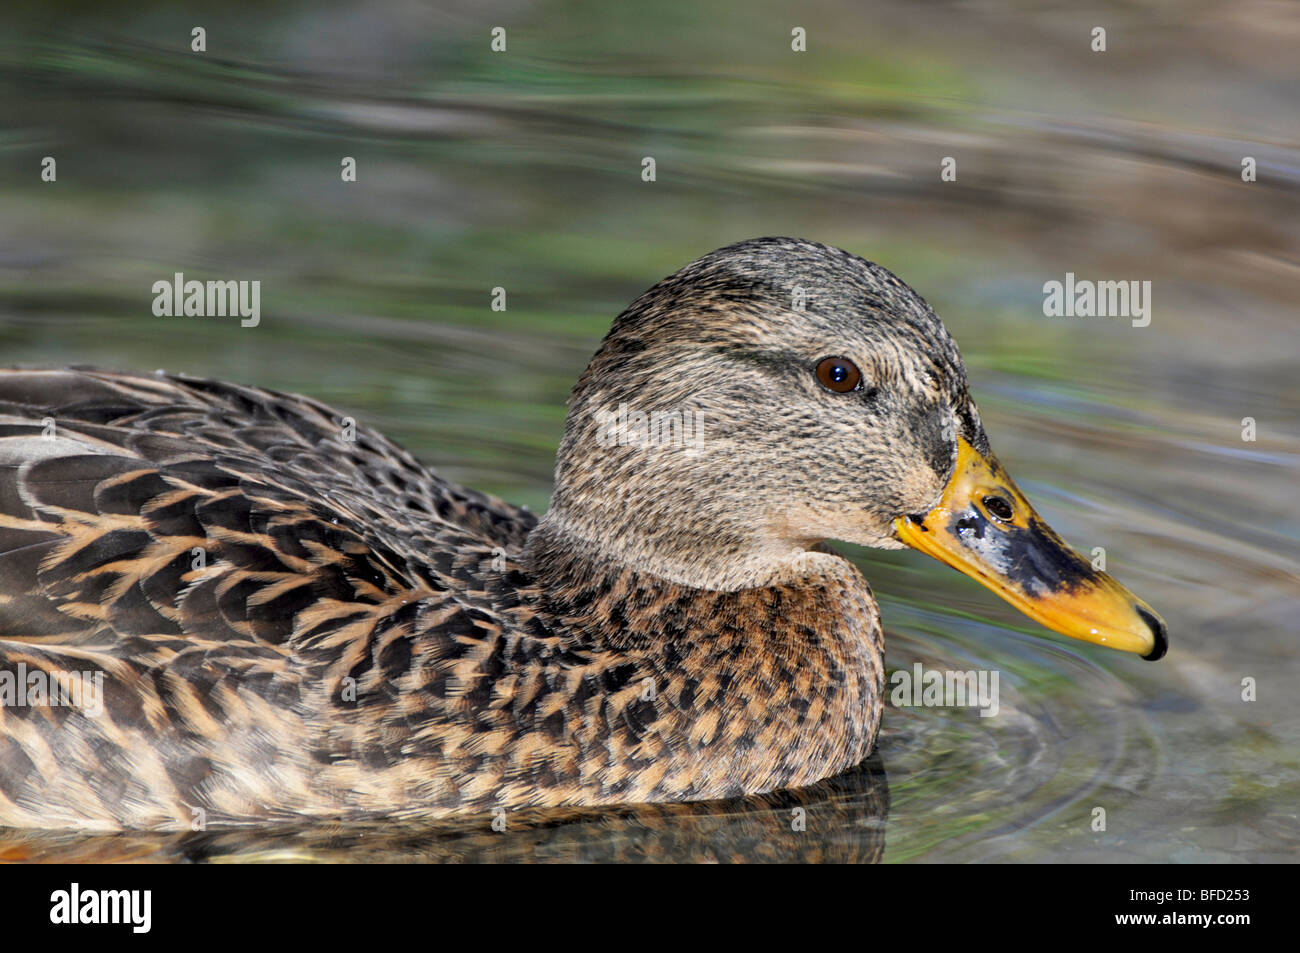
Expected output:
(985, 528)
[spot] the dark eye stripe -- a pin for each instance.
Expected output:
(838, 374)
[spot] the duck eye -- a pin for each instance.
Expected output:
(838, 374)
(999, 507)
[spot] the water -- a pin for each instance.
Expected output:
(522, 170)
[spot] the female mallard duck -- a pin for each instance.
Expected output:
(290, 620)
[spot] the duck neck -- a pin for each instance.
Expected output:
(745, 690)
(694, 550)
(586, 586)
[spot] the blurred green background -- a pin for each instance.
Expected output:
(522, 169)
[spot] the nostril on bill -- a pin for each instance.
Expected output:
(999, 507)
(1159, 631)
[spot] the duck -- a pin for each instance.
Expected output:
(222, 605)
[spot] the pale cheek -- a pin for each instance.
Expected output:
(844, 521)
(920, 488)
(867, 533)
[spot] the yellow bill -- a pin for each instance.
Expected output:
(985, 528)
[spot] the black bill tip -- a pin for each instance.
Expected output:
(1160, 633)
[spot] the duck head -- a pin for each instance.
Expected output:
(777, 393)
